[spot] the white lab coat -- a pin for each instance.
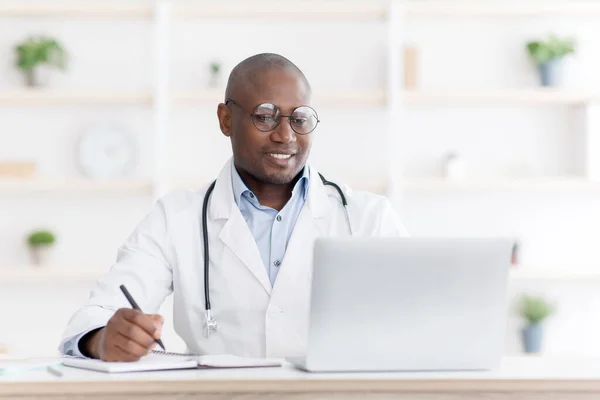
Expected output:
(164, 255)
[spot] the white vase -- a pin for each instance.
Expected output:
(41, 255)
(454, 167)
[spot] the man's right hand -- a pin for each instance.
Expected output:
(128, 335)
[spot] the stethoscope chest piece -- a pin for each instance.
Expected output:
(210, 324)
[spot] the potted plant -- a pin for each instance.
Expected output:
(534, 310)
(215, 74)
(37, 52)
(548, 55)
(40, 245)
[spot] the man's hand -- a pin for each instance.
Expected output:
(127, 336)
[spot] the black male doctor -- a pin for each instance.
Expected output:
(263, 214)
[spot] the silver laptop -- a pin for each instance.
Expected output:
(407, 304)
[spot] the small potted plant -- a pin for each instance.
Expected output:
(34, 54)
(215, 74)
(548, 55)
(534, 310)
(40, 246)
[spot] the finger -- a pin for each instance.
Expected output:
(130, 346)
(124, 355)
(140, 319)
(135, 333)
(158, 323)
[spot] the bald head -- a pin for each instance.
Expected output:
(248, 74)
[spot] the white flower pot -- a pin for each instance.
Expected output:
(40, 255)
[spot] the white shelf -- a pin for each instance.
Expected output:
(563, 185)
(295, 11)
(367, 98)
(520, 273)
(104, 9)
(79, 185)
(306, 10)
(511, 96)
(32, 274)
(504, 8)
(49, 274)
(44, 97)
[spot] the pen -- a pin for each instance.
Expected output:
(54, 371)
(135, 306)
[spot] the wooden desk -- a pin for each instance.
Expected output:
(527, 378)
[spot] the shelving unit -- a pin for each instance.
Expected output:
(107, 9)
(162, 98)
(8, 186)
(57, 274)
(368, 98)
(48, 274)
(559, 184)
(56, 98)
(514, 97)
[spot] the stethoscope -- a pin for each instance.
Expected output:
(211, 324)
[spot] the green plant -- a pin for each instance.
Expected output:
(535, 309)
(40, 50)
(41, 238)
(542, 51)
(215, 67)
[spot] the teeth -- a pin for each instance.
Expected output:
(280, 156)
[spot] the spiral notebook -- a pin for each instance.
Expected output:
(162, 361)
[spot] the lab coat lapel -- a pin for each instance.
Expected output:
(236, 235)
(312, 223)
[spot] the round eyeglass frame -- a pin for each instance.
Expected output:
(280, 117)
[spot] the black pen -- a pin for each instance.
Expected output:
(135, 306)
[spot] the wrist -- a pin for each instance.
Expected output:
(88, 345)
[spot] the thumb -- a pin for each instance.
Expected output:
(158, 322)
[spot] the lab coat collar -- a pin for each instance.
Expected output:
(222, 199)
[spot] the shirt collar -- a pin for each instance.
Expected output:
(240, 188)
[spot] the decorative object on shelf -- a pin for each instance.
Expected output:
(514, 258)
(40, 246)
(17, 169)
(36, 53)
(215, 74)
(548, 55)
(534, 310)
(410, 67)
(453, 166)
(106, 151)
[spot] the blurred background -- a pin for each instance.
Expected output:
(476, 118)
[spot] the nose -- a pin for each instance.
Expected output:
(284, 132)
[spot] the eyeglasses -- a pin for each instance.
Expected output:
(267, 116)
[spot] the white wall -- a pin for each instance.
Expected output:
(555, 229)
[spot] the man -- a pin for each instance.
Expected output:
(267, 208)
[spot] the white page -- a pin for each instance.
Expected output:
(151, 362)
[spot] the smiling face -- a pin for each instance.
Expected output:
(276, 156)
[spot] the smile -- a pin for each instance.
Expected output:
(280, 156)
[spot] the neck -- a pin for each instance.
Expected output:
(269, 194)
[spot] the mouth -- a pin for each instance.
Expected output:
(280, 156)
(281, 160)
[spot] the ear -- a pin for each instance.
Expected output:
(224, 116)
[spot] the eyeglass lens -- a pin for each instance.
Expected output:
(267, 116)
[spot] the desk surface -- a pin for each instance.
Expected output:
(515, 374)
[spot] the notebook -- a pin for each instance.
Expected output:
(161, 361)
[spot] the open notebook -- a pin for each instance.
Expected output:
(157, 361)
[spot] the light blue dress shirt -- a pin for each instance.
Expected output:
(271, 229)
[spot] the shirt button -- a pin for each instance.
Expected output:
(251, 195)
(279, 218)
(277, 263)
